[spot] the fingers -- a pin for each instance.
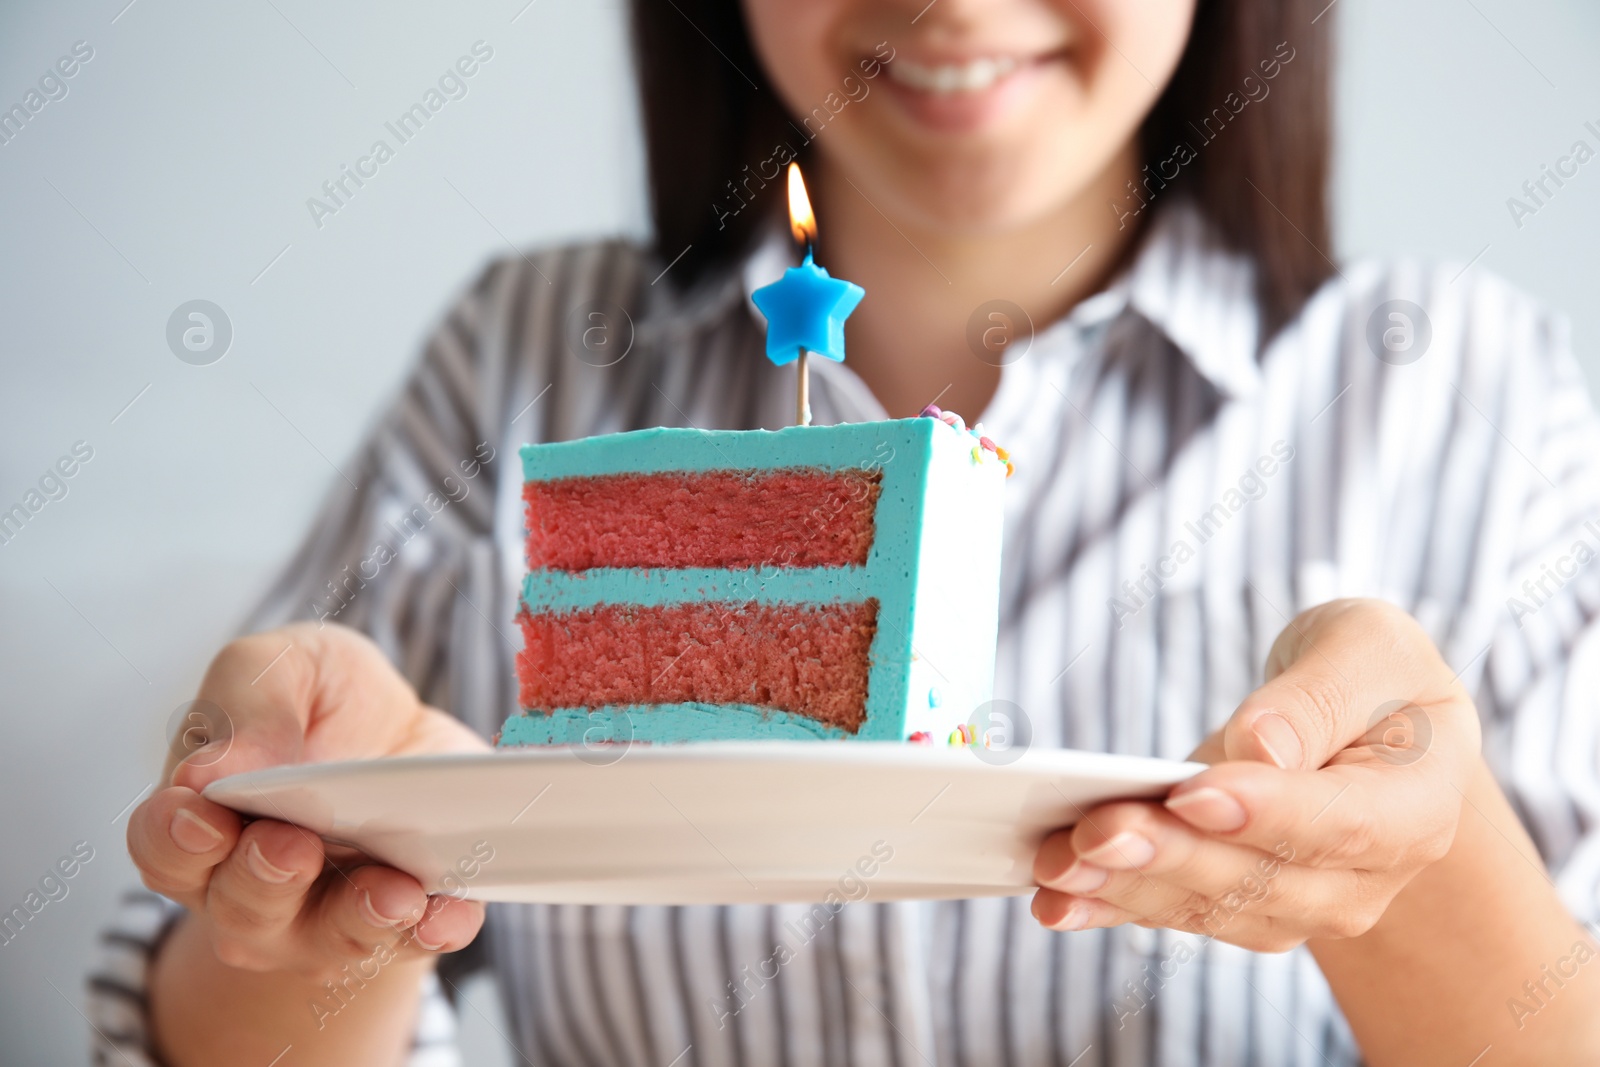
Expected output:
(366, 907)
(276, 905)
(1348, 815)
(1255, 932)
(1149, 864)
(379, 909)
(1315, 766)
(449, 924)
(1147, 844)
(270, 895)
(1059, 911)
(177, 838)
(256, 895)
(1135, 863)
(1299, 902)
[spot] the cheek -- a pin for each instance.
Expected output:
(1124, 55)
(793, 40)
(1148, 34)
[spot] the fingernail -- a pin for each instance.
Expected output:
(1076, 918)
(1208, 809)
(262, 869)
(192, 833)
(1123, 850)
(1279, 739)
(417, 935)
(370, 912)
(1081, 877)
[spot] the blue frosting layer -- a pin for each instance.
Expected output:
(901, 449)
(663, 724)
(864, 446)
(546, 590)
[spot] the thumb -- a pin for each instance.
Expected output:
(1285, 722)
(1327, 671)
(256, 745)
(250, 713)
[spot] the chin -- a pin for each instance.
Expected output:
(990, 190)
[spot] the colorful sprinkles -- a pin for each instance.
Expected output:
(964, 734)
(967, 736)
(984, 443)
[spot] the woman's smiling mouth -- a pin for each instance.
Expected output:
(965, 94)
(942, 79)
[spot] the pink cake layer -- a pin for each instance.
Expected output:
(791, 518)
(809, 659)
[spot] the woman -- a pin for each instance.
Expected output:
(1224, 439)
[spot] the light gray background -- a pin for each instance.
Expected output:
(178, 168)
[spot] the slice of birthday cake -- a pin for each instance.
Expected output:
(810, 582)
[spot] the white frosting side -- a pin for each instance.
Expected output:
(955, 619)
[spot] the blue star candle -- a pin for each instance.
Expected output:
(806, 308)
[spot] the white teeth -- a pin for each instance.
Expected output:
(970, 77)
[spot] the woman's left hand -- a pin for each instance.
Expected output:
(1333, 785)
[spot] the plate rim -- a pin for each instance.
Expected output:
(1053, 762)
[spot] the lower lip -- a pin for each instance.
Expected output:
(968, 112)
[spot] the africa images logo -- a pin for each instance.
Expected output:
(998, 732)
(199, 332)
(1399, 332)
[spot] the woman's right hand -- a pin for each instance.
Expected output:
(269, 896)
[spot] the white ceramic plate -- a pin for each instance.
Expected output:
(713, 822)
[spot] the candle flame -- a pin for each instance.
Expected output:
(802, 221)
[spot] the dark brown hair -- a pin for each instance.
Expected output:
(1258, 171)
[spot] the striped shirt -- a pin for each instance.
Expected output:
(1181, 492)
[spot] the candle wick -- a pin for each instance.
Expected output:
(811, 249)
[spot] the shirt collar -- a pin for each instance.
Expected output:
(1201, 295)
(1182, 280)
